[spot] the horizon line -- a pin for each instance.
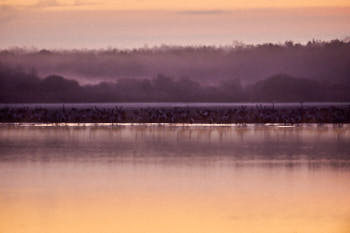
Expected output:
(147, 46)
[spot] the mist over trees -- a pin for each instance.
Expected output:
(327, 62)
(18, 86)
(289, 72)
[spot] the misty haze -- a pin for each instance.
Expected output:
(289, 72)
(186, 116)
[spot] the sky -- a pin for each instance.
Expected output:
(67, 24)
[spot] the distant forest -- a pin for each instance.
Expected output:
(289, 72)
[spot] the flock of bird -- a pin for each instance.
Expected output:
(211, 115)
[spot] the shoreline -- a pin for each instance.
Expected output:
(335, 114)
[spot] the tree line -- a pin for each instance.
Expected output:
(18, 86)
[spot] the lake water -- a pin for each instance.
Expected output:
(174, 179)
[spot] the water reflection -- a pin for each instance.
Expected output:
(254, 178)
(175, 143)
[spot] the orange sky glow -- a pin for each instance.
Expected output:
(172, 5)
(135, 23)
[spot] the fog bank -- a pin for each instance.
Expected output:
(27, 87)
(322, 61)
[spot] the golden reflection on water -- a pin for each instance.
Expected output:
(174, 179)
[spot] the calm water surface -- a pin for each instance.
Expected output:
(174, 179)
